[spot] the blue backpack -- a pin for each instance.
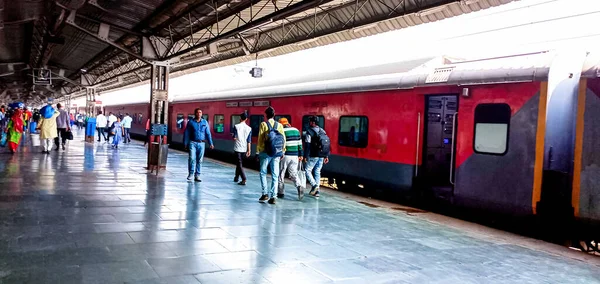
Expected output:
(275, 141)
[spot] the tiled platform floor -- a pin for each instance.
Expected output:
(91, 214)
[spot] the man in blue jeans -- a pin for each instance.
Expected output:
(314, 160)
(197, 133)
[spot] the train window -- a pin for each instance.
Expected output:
(180, 121)
(289, 117)
(354, 131)
(190, 117)
(255, 121)
(305, 124)
(492, 122)
(140, 118)
(235, 119)
(205, 116)
(219, 123)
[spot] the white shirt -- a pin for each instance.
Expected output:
(111, 119)
(242, 135)
(126, 122)
(101, 121)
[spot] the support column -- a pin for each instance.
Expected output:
(90, 112)
(159, 115)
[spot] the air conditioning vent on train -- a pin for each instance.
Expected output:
(439, 75)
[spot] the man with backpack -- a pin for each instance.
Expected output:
(316, 153)
(270, 149)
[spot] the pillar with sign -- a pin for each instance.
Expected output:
(90, 107)
(159, 106)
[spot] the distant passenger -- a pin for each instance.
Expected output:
(111, 120)
(126, 122)
(117, 132)
(101, 126)
(48, 131)
(291, 159)
(242, 135)
(63, 126)
(316, 153)
(197, 133)
(147, 132)
(270, 148)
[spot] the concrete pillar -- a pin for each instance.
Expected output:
(159, 116)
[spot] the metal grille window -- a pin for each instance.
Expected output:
(354, 131)
(305, 124)
(492, 123)
(180, 121)
(219, 123)
(235, 119)
(255, 121)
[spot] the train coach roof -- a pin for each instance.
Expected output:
(591, 67)
(441, 70)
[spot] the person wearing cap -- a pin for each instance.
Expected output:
(291, 159)
(266, 160)
(242, 135)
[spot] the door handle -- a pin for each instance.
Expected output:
(452, 149)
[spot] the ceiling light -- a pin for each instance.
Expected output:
(365, 27)
(430, 11)
(468, 2)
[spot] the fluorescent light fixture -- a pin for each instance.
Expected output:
(365, 27)
(468, 2)
(430, 11)
(307, 41)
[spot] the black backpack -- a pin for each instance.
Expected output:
(320, 143)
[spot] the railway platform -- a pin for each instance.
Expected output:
(93, 214)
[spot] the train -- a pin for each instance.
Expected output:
(516, 135)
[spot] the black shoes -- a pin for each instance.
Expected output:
(242, 182)
(280, 195)
(263, 198)
(272, 200)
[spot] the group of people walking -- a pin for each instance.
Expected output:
(54, 126)
(113, 126)
(280, 148)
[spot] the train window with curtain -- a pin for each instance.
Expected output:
(180, 121)
(235, 119)
(190, 117)
(305, 124)
(219, 125)
(289, 117)
(354, 131)
(140, 118)
(492, 123)
(205, 116)
(255, 121)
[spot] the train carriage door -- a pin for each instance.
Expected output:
(439, 148)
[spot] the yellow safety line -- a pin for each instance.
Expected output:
(539, 147)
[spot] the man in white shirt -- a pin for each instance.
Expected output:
(126, 122)
(101, 125)
(242, 135)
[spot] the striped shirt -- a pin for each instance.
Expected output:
(293, 141)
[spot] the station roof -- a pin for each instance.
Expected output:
(109, 44)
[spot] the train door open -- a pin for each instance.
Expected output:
(439, 149)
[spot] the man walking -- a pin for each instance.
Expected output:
(62, 125)
(197, 133)
(101, 126)
(126, 122)
(316, 153)
(291, 159)
(242, 136)
(270, 148)
(111, 121)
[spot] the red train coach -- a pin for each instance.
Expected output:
(492, 134)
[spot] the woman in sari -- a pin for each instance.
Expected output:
(48, 131)
(15, 130)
